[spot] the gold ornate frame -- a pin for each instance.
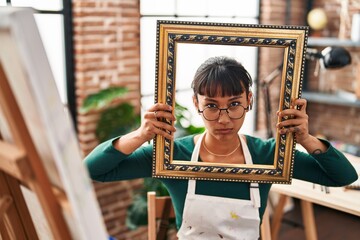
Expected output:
(293, 39)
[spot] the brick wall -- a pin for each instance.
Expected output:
(335, 122)
(107, 53)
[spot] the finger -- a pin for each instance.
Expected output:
(296, 129)
(150, 115)
(291, 113)
(291, 122)
(164, 114)
(164, 126)
(162, 132)
(160, 107)
(301, 104)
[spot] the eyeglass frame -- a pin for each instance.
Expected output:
(224, 109)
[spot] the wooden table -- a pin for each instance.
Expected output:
(338, 198)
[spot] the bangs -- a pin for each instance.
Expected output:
(219, 82)
(221, 77)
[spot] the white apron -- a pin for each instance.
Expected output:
(208, 217)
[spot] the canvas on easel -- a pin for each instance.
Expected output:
(38, 145)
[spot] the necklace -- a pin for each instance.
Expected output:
(220, 155)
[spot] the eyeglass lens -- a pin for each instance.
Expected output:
(213, 113)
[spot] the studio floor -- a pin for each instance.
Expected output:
(331, 224)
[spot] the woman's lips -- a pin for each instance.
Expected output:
(224, 131)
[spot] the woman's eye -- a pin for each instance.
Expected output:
(211, 106)
(234, 104)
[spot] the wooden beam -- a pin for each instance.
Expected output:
(5, 202)
(11, 224)
(13, 161)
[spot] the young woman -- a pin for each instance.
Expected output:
(218, 209)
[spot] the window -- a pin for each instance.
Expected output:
(226, 11)
(54, 22)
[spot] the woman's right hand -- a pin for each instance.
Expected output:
(151, 125)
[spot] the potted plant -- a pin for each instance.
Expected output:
(115, 119)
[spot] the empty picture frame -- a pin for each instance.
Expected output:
(171, 35)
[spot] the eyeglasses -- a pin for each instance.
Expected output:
(213, 113)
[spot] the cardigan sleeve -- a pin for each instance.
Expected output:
(105, 163)
(330, 168)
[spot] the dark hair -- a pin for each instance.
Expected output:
(221, 76)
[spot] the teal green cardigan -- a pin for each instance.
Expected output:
(106, 164)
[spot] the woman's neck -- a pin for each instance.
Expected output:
(222, 151)
(221, 147)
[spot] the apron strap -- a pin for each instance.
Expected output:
(255, 194)
(194, 158)
(247, 155)
(254, 187)
(196, 151)
(191, 186)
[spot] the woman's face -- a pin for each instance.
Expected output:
(224, 127)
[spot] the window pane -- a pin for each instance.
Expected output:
(52, 34)
(198, 8)
(148, 44)
(2, 2)
(236, 8)
(148, 52)
(187, 63)
(224, 8)
(157, 7)
(54, 5)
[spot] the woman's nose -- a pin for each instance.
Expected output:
(224, 116)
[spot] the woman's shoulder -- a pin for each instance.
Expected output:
(184, 145)
(185, 141)
(259, 142)
(261, 150)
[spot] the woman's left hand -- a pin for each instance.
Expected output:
(296, 122)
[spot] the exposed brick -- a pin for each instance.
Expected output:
(104, 32)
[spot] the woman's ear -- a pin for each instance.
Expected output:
(196, 103)
(250, 100)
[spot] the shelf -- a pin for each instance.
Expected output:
(333, 99)
(325, 42)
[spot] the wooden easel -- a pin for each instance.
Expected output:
(20, 164)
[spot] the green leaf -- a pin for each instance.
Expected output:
(153, 184)
(194, 130)
(137, 212)
(103, 98)
(183, 122)
(116, 121)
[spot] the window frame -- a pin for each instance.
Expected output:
(66, 12)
